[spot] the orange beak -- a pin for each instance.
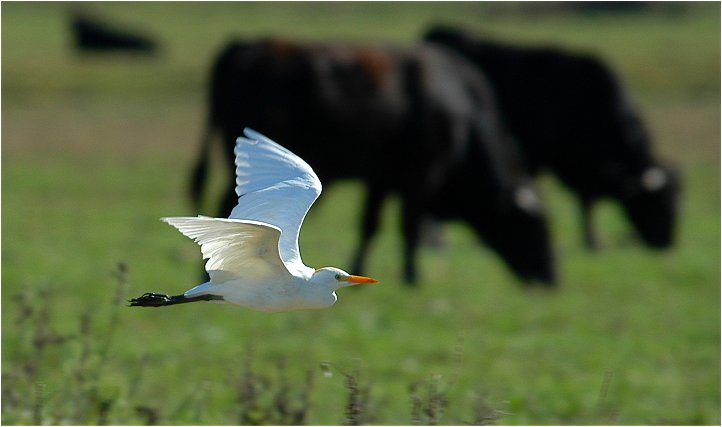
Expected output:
(358, 280)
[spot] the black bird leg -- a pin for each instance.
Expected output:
(150, 299)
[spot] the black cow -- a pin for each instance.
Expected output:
(91, 34)
(569, 114)
(415, 122)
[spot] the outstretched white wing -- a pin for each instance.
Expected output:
(235, 249)
(276, 187)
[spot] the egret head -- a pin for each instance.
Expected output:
(336, 278)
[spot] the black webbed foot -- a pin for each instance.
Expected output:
(150, 299)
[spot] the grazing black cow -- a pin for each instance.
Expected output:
(569, 114)
(407, 121)
(93, 35)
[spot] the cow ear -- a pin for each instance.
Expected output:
(654, 179)
(527, 199)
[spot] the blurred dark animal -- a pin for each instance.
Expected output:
(93, 35)
(569, 114)
(416, 122)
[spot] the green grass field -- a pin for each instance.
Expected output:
(96, 149)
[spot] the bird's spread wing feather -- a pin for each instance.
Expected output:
(235, 249)
(274, 186)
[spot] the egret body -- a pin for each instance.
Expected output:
(253, 256)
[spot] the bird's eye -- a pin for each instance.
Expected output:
(337, 277)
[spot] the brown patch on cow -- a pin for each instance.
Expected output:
(283, 48)
(376, 63)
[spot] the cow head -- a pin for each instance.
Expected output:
(650, 201)
(516, 228)
(647, 190)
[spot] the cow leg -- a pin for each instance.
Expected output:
(411, 225)
(200, 170)
(228, 202)
(375, 196)
(591, 241)
(230, 198)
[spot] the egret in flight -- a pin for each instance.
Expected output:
(253, 256)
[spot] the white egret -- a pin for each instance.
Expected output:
(253, 256)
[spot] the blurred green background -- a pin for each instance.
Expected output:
(96, 148)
